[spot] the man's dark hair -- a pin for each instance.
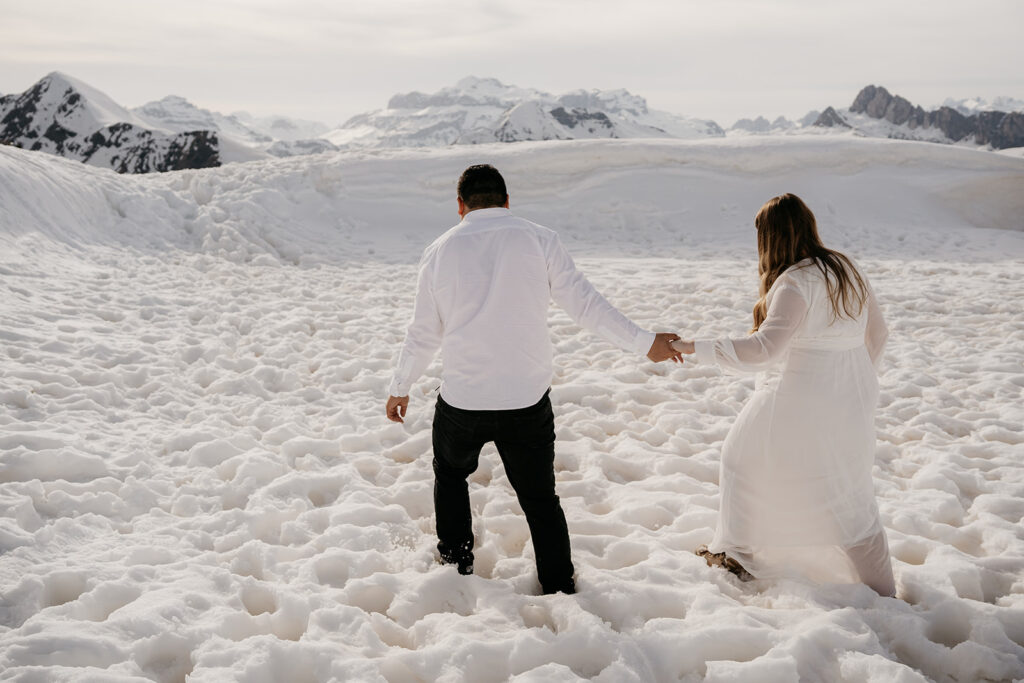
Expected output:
(481, 186)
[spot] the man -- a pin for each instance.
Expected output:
(483, 294)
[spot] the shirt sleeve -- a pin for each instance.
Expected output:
(422, 339)
(571, 290)
(764, 347)
(877, 332)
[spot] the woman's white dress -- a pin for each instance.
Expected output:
(796, 465)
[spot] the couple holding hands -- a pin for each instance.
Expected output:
(796, 465)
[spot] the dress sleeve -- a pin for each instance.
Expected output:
(763, 348)
(423, 338)
(571, 290)
(877, 332)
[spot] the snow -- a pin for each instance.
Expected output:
(973, 105)
(198, 479)
(881, 128)
(97, 110)
(242, 137)
(181, 116)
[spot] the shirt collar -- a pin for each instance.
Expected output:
(481, 214)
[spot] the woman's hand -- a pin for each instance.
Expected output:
(683, 346)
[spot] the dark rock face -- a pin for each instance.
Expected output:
(872, 101)
(952, 123)
(830, 118)
(20, 109)
(901, 111)
(878, 103)
(999, 130)
(140, 151)
(582, 118)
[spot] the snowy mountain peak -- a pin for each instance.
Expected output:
(78, 102)
(478, 110)
(174, 101)
(175, 113)
(974, 105)
(605, 100)
(65, 116)
(468, 92)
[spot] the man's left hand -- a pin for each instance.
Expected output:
(397, 405)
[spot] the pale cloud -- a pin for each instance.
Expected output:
(328, 60)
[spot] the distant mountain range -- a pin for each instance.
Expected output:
(64, 116)
(178, 114)
(480, 110)
(975, 105)
(763, 126)
(876, 112)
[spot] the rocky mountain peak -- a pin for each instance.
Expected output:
(998, 129)
(879, 103)
(830, 118)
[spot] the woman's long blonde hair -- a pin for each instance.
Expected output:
(786, 234)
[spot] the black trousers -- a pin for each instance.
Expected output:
(525, 439)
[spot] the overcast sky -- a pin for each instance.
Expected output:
(328, 60)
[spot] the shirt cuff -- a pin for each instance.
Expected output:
(398, 388)
(704, 350)
(643, 341)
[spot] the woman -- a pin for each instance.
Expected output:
(796, 465)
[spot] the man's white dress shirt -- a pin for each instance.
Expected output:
(483, 294)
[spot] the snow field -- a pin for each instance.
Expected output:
(197, 479)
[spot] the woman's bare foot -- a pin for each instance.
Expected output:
(724, 561)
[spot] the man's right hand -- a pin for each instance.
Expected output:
(397, 405)
(662, 349)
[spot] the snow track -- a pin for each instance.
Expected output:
(197, 479)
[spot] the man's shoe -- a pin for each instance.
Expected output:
(568, 588)
(463, 563)
(725, 562)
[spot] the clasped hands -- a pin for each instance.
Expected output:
(668, 345)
